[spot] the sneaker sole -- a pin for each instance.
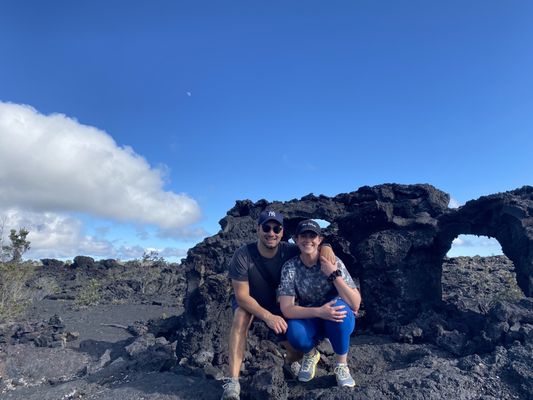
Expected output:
(307, 380)
(231, 397)
(349, 385)
(312, 375)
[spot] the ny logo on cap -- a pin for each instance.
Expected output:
(271, 214)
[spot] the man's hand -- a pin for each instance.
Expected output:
(332, 313)
(276, 323)
(327, 252)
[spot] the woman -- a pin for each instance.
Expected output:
(319, 300)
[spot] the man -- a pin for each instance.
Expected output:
(255, 271)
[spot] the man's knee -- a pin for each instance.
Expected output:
(241, 321)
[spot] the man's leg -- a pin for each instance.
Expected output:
(292, 359)
(292, 354)
(237, 340)
(236, 347)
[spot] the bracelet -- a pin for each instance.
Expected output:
(334, 275)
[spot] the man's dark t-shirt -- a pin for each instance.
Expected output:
(262, 285)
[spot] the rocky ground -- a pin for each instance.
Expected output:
(122, 347)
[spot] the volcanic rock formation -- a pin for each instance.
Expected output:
(393, 238)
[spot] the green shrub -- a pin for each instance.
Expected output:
(18, 246)
(89, 295)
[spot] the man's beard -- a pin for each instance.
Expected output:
(270, 246)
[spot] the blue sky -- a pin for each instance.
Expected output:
(149, 119)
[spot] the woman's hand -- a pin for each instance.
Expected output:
(332, 313)
(326, 266)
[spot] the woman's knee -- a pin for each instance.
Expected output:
(344, 328)
(349, 321)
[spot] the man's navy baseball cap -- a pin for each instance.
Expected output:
(308, 225)
(270, 215)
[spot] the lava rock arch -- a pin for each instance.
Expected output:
(508, 217)
(392, 237)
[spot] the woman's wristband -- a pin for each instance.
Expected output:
(334, 275)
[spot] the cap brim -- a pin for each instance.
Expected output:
(310, 230)
(270, 219)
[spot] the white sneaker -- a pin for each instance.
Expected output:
(344, 378)
(308, 369)
(232, 389)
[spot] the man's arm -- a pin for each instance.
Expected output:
(248, 303)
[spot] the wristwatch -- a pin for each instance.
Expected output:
(334, 275)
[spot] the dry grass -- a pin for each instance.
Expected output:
(90, 295)
(15, 295)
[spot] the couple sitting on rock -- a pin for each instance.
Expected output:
(302, 292)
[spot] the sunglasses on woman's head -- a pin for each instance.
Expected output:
(266, 228)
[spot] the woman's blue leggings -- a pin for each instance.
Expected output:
(304, 334)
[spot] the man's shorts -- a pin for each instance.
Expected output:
(280, 337)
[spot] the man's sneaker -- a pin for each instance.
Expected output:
(342, 373)
(232, 389)
(308, 368)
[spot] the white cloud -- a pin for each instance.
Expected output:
(186, 233)
(475, 241)
(54, 235)
(167, 252)
(471, 245)
(52, 163)
(454, 203)
(458, 242)
(129, 252)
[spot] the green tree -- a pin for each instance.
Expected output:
(19, 245)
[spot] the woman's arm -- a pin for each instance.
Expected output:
(328, 311)
(348, 294)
